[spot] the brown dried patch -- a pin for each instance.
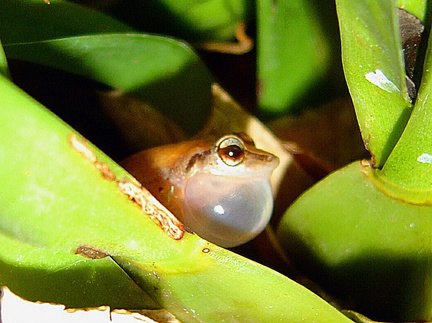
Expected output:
(90, 252)
(153, 208)
(105, 171)
(81, 147)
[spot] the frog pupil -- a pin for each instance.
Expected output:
(231, 155)
(234, 151)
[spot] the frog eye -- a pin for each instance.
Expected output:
(231, 150)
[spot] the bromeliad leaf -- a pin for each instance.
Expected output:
(161, 71)
(374, 69)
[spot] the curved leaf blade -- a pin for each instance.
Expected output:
(216, 291)
(45, 274)
(418, 8)
(182, 86)
(374, 70)
(185, 18)
(406, 174)
(3, 63)
(34, 20)
(161, 71)
(363, 245)
(54, 198)
(292, 53)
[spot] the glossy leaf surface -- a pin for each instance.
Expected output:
(34, 20)
(418, 8)
(195, 21)
(362, 231)
(3, 63)
(375, 73)
(292, 53)
(54, 200)
(358, 242)
(406, 174)
(47, 274)
(160, 71)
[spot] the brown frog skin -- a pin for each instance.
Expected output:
(220, 190)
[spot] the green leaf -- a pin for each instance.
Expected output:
(3, 63)
(160, 71)
(46, 274)
(418, 8)
(292, 53)
(360, 232)
(34, 20)
(363, 245)
(407, 173)
(218, 287)
(209, 20)
(56, 197)
(375, 73)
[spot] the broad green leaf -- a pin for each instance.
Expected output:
(47, 274)
(374, 70)
(218, 295)
(55, 199)
(361, 232)
(35, 20)
(161, 71)
(418, 8)
(407, 172)
(292, 53)
(363, 245)
(209, 20)
(3, 63)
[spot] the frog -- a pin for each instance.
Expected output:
(219, 190)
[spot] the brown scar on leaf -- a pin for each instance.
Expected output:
(105, 171)
(153, 208)
(81, 147)
(149, 205)
(90, 252)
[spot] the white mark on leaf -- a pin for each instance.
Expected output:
(425, 158)
(379, 79)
